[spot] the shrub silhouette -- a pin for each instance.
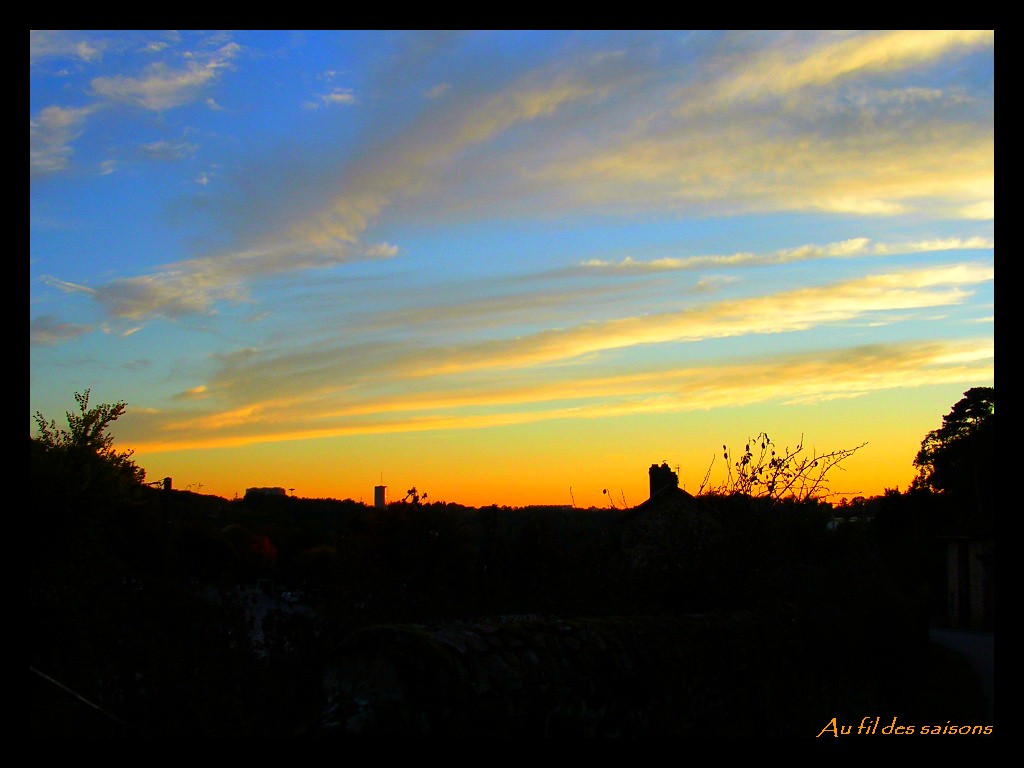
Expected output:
(79, 466)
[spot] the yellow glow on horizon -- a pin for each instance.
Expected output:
(502, 465)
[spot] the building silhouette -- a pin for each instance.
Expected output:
(662, 479)
(275, 491)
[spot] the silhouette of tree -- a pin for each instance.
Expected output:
(414, 497)
(76, 473)
(86, 437)
(957, 458)
(762, 471)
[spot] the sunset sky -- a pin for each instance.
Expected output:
(509, 267)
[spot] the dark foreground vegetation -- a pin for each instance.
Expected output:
(164, 613)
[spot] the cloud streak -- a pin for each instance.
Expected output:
(741, 167)
(789, 379)
(821, 63)
(332, 235)
(786, 312)
(758, 132)
(413, 163)
(195, 286)
(254, 389)
(858, 246)
(47, 330)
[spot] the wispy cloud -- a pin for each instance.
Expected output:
(859, 246)
(786, 379)
(156, 46)
(742, 167)
(380, 251)
(757, 132)
(167, 150)
(196, 285)
(50, 135)
(381, 370)
(438, 90)
(468, 308)
(814, 62)
(196, 393)
(412, 164)
(662, 161)
(162, 87)
(336, 97)
(332, 235)
(785, 312)
(937, 244)
(47, 43)
(170, 294)
(47, 330)
(983, 209)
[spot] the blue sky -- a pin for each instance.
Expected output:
(458, 259)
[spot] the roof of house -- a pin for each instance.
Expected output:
(669, 499)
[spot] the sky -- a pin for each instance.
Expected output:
(509, 267)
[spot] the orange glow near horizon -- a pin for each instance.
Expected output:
(558, 462)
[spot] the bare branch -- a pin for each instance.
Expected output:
(764, 471)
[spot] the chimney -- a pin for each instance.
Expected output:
(662, 478)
